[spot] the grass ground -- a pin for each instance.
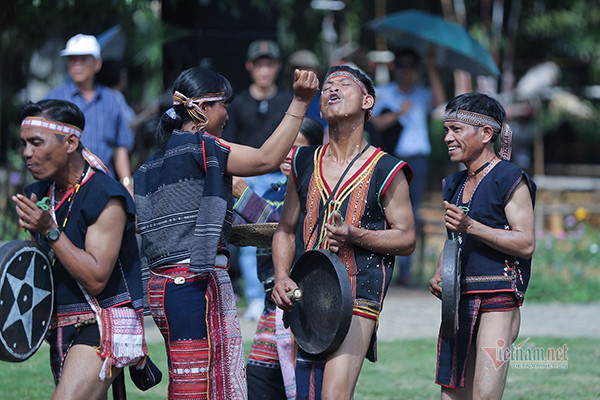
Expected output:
(405, 370)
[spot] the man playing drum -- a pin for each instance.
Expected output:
(87, 224)
(367, 223)
(489, 210)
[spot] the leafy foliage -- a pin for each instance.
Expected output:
(28, 25)
(565, 266)
(567, 29)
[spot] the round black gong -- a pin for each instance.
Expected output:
(450, 287)
(26, 299)
(321, 318)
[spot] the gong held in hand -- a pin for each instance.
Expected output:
(450, 287)
(321, 316)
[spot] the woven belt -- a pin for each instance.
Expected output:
(79, 320)
(221, 262)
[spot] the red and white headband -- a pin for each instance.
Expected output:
(353, 78)
(61, 128)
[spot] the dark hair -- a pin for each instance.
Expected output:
(406, 52)
(312, 129)
(192, 82)
(361, 77)
(55, 110)
(480, 103)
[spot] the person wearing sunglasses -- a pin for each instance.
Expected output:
(407, 104)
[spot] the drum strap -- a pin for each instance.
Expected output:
(333, 192)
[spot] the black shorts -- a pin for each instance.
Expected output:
(453, 352)
(61, 339)
(88, 335)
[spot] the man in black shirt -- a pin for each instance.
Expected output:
(253, 116)
(255, 113)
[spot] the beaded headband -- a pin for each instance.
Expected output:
(477, 119)
(64, 129)
(192, 104)
(345, 74)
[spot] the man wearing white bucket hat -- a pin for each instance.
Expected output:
(107, 133)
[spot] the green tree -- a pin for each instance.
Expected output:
(567, 32)
(28, 24)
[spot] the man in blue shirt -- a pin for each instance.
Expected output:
(410, 104)
(107, 133)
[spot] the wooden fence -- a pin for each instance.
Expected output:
(560, 196)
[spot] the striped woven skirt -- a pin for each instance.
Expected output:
(271, 361)
(199, 322)
(453, 352)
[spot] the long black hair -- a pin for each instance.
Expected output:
(192, 82)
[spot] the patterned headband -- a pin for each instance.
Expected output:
(64, 129)
(192, 104)
(345, 74)
(477, 119)
(348, 75)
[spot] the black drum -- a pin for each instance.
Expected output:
(450, 287)
(320, 319)
(26, 299)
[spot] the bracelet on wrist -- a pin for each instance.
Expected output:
(299, 116)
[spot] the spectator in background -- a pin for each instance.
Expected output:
(406, 104)
(253, 116)
(107, 132)
(255, 112)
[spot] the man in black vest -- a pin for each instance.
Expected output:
(489, 210)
